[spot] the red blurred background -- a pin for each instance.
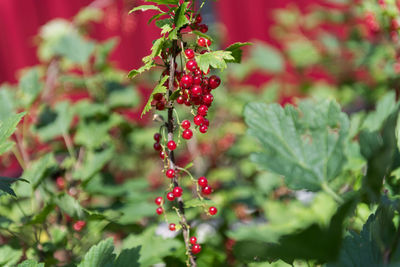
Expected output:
(20, 22)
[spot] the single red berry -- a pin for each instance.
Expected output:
(172, 227)
(159, 210)
(203, 128)
(170, 173)
(79, 225)
(170, 196)
(157, 146)
(171, 145)
(186, 81)
(208, 99)
(214, 81)
(185, 124)
(180, 100)
(206, 122)
(203, 28)
(158, 200)
(177, 191)
(202, 42)
(202, 181)
(197, 72)
(196, 90)
(198, 19)
(157, 137)
(187, 134)
(158, 96)
(189, 53)
(191, 65)
(193, 240)
(160, 106)
(196, 248)
(198, 120)
(197, 80)
(162, 154)
(60, 182)
(202, 110)
(206, 190)
(187, 102)
(212, 210)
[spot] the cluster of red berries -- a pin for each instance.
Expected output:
(196, 248)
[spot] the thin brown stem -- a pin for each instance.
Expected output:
(170, 128)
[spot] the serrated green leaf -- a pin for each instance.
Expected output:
(30, 86)
(7, 128)
(384, 108)
(160, 88)
(164, 2)
(39, 169)
(100, 255)
(180, 18)
(9, 256)
(93, 163)
(30, 263)
(145, 8)
(215, 59)
(6, 182)
(198, 33)
(74, 48)
(142, 69)
(128, 257)
(302, 53)
(236, 51)
(69, 205)
(308, 150)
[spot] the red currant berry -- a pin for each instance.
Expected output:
(185, 124)
(208, 99)
(203, 128)
(171, 145)
(170, 196)
(206, 122)
(160, 106)
(202, 110)
(206, 190)
(158, 200)
(157, 146)
(196, 90)
(172, 227)
(186, 81)
(193, 240)
(177, 191)
(196, 100)
(202, 181)
(162, 154)
(187, 102)
(212, 210)
(60, 182)
(198, 120)
(170, 173)
(189, 53)
(180, 100)
(197, 72)
(197, 80)
(157, 137)
(159, 210)
(196, 249)
(79, 225)
(191, 65)
(203, 28)
(158, 96)
(214, 81)
(187, 134)
(202, 42)
(198, 19)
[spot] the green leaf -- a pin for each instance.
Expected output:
(128, 257)
(9, 256)
(180, 18)
(195, 202)
(40, 169)
(267, 58)
(144, 8)
(146, 67)
(74, 48)
(307, 149)
(215, 59)
(302, 53)
(6, 182)
(164, 2)
(175, 95)
(30, 263)
(69, 205)
(8, 101)
(160, 88)
(30, 86)
(93, 163)
(7, 128)
(100, 255)
(163, 22)
(200, 34)
(236, 51)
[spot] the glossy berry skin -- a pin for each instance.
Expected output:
(157, 137)
(170, 196)
(206, 190)
(158, 201)
(203, 42)
(191, 65)
(162, 154)
(157, 146)
(186, 81)
(170, 173)
(60, 182)
(212, 210)
(206, 122)
(202, 110)
(171, 145)
(196, 90)
(197, 80)
(202, 181)
(180, 100)
(189, 53)
(193, 240)
(185, 124)
(187, 134)
(159, 210)
(158, 96)
(160, 106)
(177, 191)
(203, 128)
(208, 99)
(198, 19)
(172, 227)
(196, 249)
(198, 120)
(79, 225)
(214, 81)
(203, 28)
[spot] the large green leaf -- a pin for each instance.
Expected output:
(6, 182)
(39, 169)
(94, 162)
(100, 255)
(9, 256)
(267, 58)
(7, 128)
(128, 257)
(305, 145)
(69, 205)
(74, 48)
(30, 86)
(144, 8)
(215, 59)
(236, 51)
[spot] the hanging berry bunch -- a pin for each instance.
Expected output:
(184, 53)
